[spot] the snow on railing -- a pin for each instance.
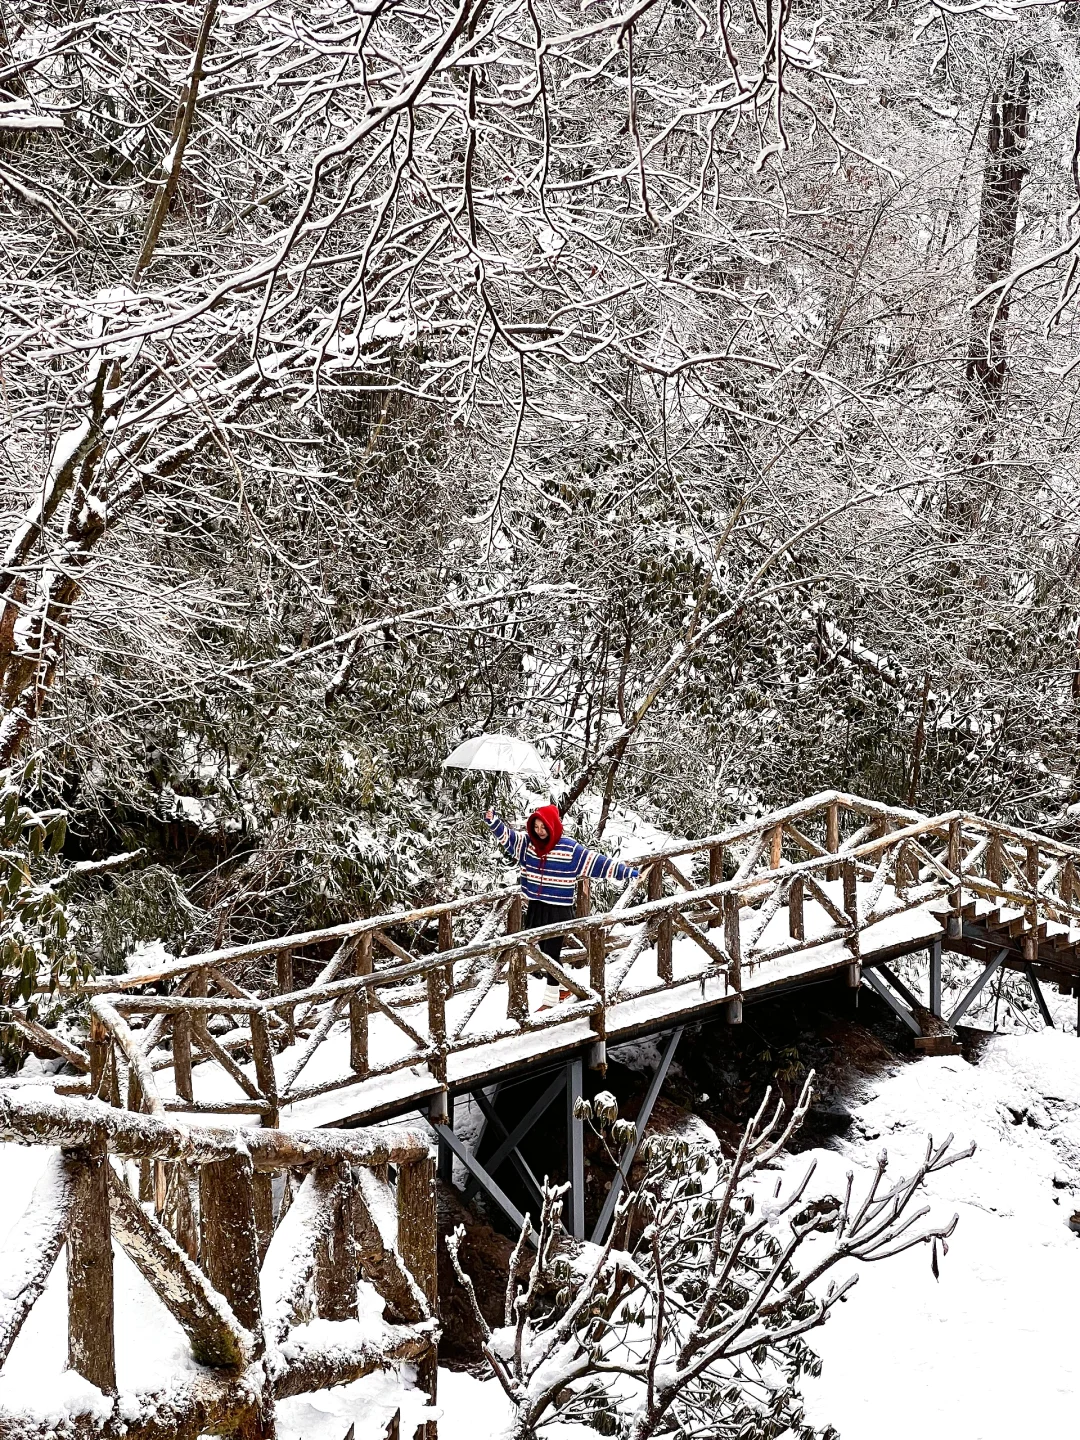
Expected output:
(243, 1282)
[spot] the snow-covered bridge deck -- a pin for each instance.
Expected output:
(404, 1079)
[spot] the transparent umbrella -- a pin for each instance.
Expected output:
(500, 753)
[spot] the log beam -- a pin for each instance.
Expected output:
(91, 1344)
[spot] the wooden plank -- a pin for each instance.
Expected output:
(832, 837)
(91, 1343)
(598, 977)
(683, 881)
(517, 988)
(514, 915)
(716, 877)
(700, 938)
(181, 1054)
(390, 946)
(179, 1284)
(264, 1211)
(776, 846)
(446, 942)
(716, 864)
(1031, 867)
(98, 1047)
(391, 1014)
(376, 1247)
(436, 1014)
(358, 1012)
(796, 919)
(823, 898)
(811, 847)
(583, 898)
(335, 1247)
(213, 1051)
(284, 981)
(33, 1246)
(75, 1057)
(265, 1076)
(656, 881)
(733, 939)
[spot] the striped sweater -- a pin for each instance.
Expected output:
(553, 877)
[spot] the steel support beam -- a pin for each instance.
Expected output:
(878, 984)
(484, 1121)
(487, 1183)
(575, 1150)
(908, 996)
(642, 1120)
(934, 952)
(521, 1129)
(518, 1161)
(1040, 998)
(976, 990)
(446, 1155)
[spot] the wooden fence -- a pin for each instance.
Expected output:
(241, 1275)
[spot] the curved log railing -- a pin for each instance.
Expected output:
(242, 1277)
(452, 977)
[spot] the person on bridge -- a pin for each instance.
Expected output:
(551, 865)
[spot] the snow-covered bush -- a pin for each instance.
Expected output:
(34, 929)
(689, 1320)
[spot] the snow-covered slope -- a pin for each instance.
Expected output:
(988, 1352)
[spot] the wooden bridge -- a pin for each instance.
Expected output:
(405, 1011)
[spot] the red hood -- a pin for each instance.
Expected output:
(549, 814)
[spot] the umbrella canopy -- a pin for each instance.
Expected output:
(497, 752)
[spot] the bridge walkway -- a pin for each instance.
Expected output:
(402, 1009)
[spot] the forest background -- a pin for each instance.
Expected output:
(687, 387)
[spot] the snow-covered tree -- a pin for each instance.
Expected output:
(689, 1320)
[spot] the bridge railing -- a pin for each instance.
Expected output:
(395, 995)
(242, 1281)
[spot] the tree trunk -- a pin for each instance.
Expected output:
(1003, 173)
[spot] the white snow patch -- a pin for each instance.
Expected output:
(987, 1352)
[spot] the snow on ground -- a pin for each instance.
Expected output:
(988, 1352)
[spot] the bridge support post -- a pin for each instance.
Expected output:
(1040, 998)
(874, 980)
(418, 1244)
(446, 1155)
(91, 1351)
(643, 1116)
(934, 953)
(575, 1150)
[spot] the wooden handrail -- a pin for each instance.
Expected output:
(212, 1278)
(910, 823)
(30, 1119)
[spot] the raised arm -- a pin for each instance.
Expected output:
(512, 841)
(601, 867)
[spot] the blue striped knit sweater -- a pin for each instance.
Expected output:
(554, 876)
